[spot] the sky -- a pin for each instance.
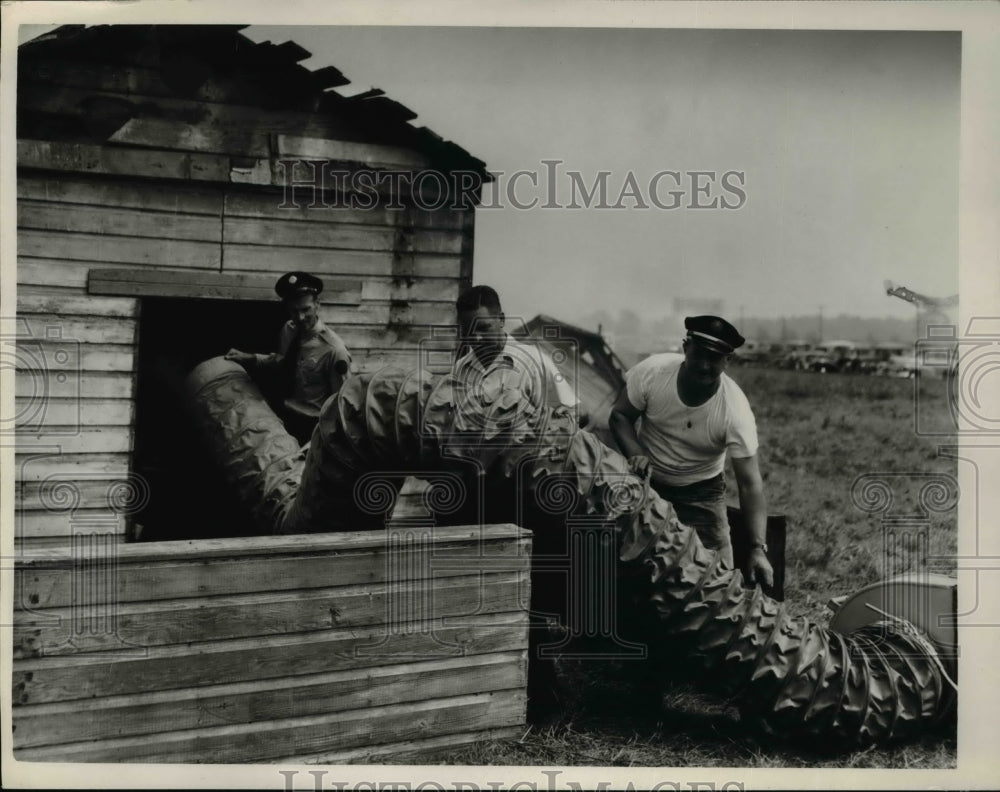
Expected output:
(847, 142)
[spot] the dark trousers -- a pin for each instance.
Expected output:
(702, 506)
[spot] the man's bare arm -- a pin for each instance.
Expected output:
(621, 422)
(754, 507)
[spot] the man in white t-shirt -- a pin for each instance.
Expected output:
(692, 414)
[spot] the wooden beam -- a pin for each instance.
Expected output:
(92, 357)
(273, 699)
(88, 158)
(278, 259)
(163, 162)
(92, 440)
(51, 542)
(120, 193)
(29, 302)
(272, 205)
(203, 285)
(440, 290)
(68, 467)
(49, 524)
(222, 113)
(138, 82)
(268, 613)
(52, 274)
(92, 385)
(34, 495)
(405, 340)
(101, 248)
(53, 585)
(72, 412)
(187, 667)
(336, 235)
(86, 329)
(315, 733)
(47, 216)
(246, 546)
(371, 154)
(169, 135)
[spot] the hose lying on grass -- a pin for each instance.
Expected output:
(884, 682)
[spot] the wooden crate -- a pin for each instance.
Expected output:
(325, 648)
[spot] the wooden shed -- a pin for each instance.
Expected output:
(167, 175)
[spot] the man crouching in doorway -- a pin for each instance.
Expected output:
(311, 360)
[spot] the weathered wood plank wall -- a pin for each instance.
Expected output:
(189, 180)
(408, 268)
(267, 649)
(86, 345)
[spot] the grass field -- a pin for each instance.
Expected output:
(818, 434)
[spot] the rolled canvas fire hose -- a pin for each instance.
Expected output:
(883, 682)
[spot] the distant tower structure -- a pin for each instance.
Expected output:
(930, 310)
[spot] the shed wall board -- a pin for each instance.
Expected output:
(257, 685)
(74, 228)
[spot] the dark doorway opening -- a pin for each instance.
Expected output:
(188, 497)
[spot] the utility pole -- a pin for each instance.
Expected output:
(821, 324)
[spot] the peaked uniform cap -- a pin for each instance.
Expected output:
(713, 332)
(292, 284)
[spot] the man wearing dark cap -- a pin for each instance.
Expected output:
(693, 414)
(311, 359)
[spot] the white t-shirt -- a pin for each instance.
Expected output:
(688, 444)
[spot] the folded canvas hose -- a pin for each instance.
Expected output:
(883, 682)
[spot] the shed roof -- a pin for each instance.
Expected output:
(268, 75)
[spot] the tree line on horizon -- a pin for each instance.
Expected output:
(627, 331)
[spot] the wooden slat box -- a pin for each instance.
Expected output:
(326, 648)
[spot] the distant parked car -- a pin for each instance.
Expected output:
(822, 363)
(901, 366)
(753, 354)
